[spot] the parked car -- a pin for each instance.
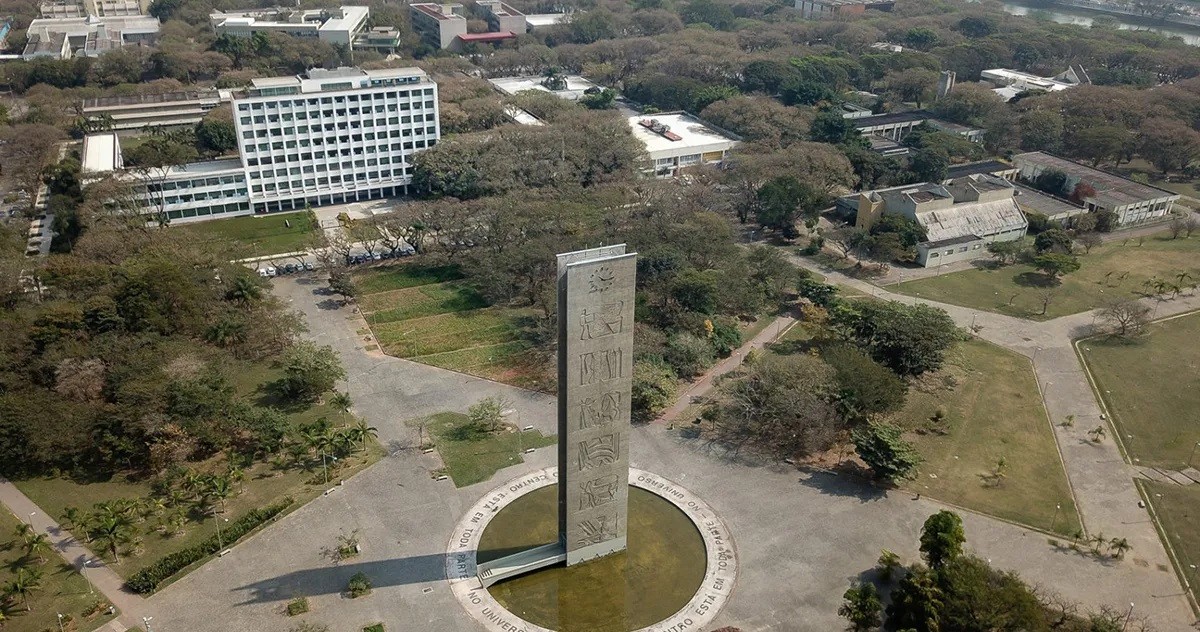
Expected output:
(290, 268)
(376, 256)
(309, 267)
(262, 272)
(271, 271)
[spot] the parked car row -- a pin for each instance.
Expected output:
(407, 251)
(290, 268)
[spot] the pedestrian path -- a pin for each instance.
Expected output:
(93, 569)
(705, 382)
(1185, 477)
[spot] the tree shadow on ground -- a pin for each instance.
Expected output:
(1035, 280)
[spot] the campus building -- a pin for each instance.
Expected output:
(340, 26)
(95, 8)
(959, 218)
(1133, 202)
(62, 38)
(823, 8)
(675, 140)
(169, 109)
(895, 126)
(325, 137)
(1009, 83)
(445, 25)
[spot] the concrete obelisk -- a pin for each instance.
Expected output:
(595, 373)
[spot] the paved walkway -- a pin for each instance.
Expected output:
(797, 573)
(704, 384)
(1101, 479)
(75, 553)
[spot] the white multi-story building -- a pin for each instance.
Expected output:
(334, 136)
(326, 137)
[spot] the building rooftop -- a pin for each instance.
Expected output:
(891, 118)
(990, 167)
(1112, 190)
(207, 167)
(351, 19)
(487, 37)
(545, 19)
(576, 86)
(438, 11)
(684, 132)
(1042, 204)
(971, 219)
(499, 8)
(150, 99)
(101, 153)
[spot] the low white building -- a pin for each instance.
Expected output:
(136, 112)
(569, 87)
(87, 36)
(959, 218)
(341, 25)
(183, 193)
(1009, 83)
(1133, 202)
(676, 140)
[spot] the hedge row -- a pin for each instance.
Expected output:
(147, 580)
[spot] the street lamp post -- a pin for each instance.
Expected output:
(1128, 616)
(87, 563)
(1054, 522)
(60, 622)
(1193, 455)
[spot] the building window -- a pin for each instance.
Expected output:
(950, 252)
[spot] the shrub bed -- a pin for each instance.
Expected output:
(148, 579)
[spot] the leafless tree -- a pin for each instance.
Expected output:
(1177, 227)
(845, 239)
(1089, 241)
(1046, 297)
(339, 244)
(366, 234)
(1190, 224)
(1126, 318)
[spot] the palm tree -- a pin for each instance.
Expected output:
(244, 291)
(23, 530)
(24, 582)
(362, 431)
(1119, 546)
(111, 532)
(72, 517)
(37, 544)
(236, 474)
(341, 401)
(219, 487)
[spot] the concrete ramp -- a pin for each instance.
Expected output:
(520, 563)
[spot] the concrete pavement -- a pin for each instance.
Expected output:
(801, 538)
(1101, 479)
(75, 553)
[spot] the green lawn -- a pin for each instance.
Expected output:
(993, 411)
(1115, 270)
(1178, 511)
(427, 314)
(63, 589)
(257, 235)
(1152, 389)
(471, 456)
(264, 482)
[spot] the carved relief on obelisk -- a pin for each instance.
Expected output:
(595, 371)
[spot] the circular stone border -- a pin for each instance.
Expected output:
(714, 591)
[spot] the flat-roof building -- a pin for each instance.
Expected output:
(438, 24)
(821, 8)
(1009, 83)
(676, 140)
(535, 21)
(1133, 202)
(959, 218)
(94, 8)
(501, 17)
(324, 137)
(88, 36)
(136, 112)
(569, 87)
(897, 125)
(341, 25)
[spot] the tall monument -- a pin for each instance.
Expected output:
(595, 374)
